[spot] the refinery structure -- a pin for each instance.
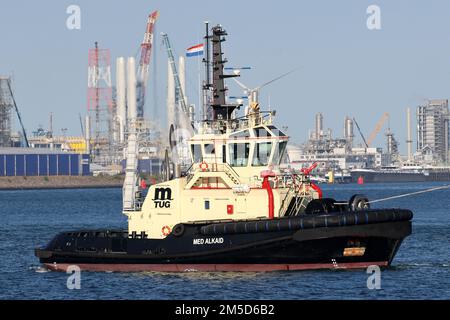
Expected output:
(339, 156)
(116, 109)
(432, 131)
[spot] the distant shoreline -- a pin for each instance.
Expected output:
(60, 182)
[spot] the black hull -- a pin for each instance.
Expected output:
(350, 241)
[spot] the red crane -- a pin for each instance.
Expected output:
(144, 63)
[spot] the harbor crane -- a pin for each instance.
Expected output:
(183, 128)
(375, 132)
(144, 63)
(16, 108)
(178, 88)
(360, 132)
(378, 128)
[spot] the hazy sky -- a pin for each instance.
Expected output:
(346, 69)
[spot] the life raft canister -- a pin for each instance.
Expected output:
(166, 230)
(204, 166)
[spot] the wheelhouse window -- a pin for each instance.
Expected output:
(196, 151)
(210, 149)
(262, 132)
(280, 149)
(239, 153)
(224, 153)
(261, 155)
(276, 131)
(240, 135)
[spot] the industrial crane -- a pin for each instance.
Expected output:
(183, 128)
(176, 78)
(375, 132)
(360, 132)
(144, 63)
(378, 127)
(8, 81)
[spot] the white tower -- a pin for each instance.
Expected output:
(182, 72)
(130, 182)
(170, 97)
(121, 115)
(131, 89)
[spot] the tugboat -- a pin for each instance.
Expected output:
(235, 208)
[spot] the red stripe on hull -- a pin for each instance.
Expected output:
(212, 267)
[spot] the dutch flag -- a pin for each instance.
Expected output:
(195, 51)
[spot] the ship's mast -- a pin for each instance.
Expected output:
(206, 83)
(221, 110)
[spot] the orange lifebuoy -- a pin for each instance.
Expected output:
(204, 166)
(166, 230)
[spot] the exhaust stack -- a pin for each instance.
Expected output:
(409, 140)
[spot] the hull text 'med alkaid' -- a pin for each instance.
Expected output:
(236, 207)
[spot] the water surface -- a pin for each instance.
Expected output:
(421, 269)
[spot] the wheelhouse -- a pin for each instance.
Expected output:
(261, 146)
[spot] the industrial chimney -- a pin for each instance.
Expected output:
(348, 131)
(319, 125)
(409, 139)
(121, 97)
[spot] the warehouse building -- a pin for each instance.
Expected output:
(150, 166)
(42, 162)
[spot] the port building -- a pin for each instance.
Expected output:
(42, 162)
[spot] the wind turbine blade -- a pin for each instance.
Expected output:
(241, 84)
(277, 78)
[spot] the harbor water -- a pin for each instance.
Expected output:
(421, 269)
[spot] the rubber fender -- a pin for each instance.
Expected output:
(308, 222)
(178, 230)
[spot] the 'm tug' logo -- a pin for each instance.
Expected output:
(162, 198)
